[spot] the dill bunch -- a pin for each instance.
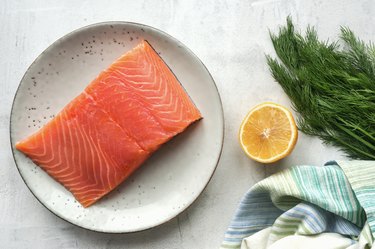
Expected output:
(331, 86)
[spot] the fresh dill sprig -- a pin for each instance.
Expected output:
(332, 87)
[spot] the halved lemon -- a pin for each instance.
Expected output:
(268, 133)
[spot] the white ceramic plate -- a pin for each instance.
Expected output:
(171, 179)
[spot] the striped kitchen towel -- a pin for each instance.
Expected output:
(310, 206)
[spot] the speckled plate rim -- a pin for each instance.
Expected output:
(173, 39)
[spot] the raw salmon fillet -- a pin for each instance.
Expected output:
(104, 134)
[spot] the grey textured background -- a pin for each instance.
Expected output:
(230, 37)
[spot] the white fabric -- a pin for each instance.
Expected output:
(257, 240)
(322, 241)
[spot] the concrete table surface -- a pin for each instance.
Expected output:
(231, 38)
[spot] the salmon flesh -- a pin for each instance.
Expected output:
(103, 135)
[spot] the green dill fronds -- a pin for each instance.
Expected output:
(332, 88)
